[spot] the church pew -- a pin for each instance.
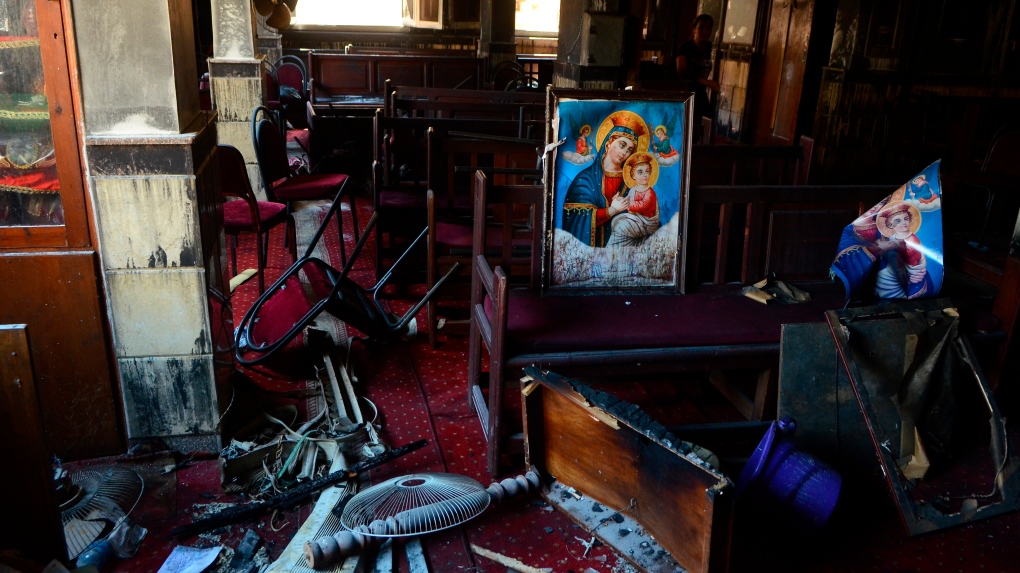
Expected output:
(703, 331)
(752, 164)
(791, 231)
(464, 103)
(355, 82)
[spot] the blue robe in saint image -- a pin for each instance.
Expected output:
(860, 254)
(584, 197)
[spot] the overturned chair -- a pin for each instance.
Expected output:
(311, 286)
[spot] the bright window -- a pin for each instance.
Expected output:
(348, 13)
(538, 15)
(532, 15)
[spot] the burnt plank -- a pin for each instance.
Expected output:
(608, 450)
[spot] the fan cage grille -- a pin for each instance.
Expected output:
(415, 504)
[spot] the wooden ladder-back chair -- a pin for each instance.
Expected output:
(247, 215)
(451, 232)
(403, 169)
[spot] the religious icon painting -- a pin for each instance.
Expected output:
(616, 191)
(894, 250)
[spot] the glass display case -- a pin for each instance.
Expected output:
(29, 186)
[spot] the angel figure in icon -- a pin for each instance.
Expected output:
(665, 154)
(581, 131)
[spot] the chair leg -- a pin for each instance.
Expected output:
(378, 253)
(494, 431)
(261, 269)
(290, 226)
(474, 372)
(233, 255)
(340, 233)
(354, 217)
(431, 270)
(265, 246)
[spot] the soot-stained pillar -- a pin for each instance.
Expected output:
(236, 78)
(150, 152)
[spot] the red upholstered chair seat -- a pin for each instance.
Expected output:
(237, 215)
(622, 322)
(246, 214)
(310, 186)
(279, 313)
(318, 279)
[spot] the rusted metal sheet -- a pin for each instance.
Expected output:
(926, 403)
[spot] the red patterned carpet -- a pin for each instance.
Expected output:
(421, 393)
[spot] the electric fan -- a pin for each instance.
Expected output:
(93, 501)
(411, 505)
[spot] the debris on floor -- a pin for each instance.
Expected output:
(184, 559)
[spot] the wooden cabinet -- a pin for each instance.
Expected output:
(48, 261)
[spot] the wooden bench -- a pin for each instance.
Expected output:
(707, 331)
(464, 103)
(752, 164)
(357, 81)
(791, 231)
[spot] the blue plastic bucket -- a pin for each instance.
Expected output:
(783, 478)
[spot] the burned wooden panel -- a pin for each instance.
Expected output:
(55, 294)
(815, 391)
(807, 386)
(29, 499)
(612, 452)
(933, 421)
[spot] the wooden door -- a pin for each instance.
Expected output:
(781, 77)
(48, 261)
